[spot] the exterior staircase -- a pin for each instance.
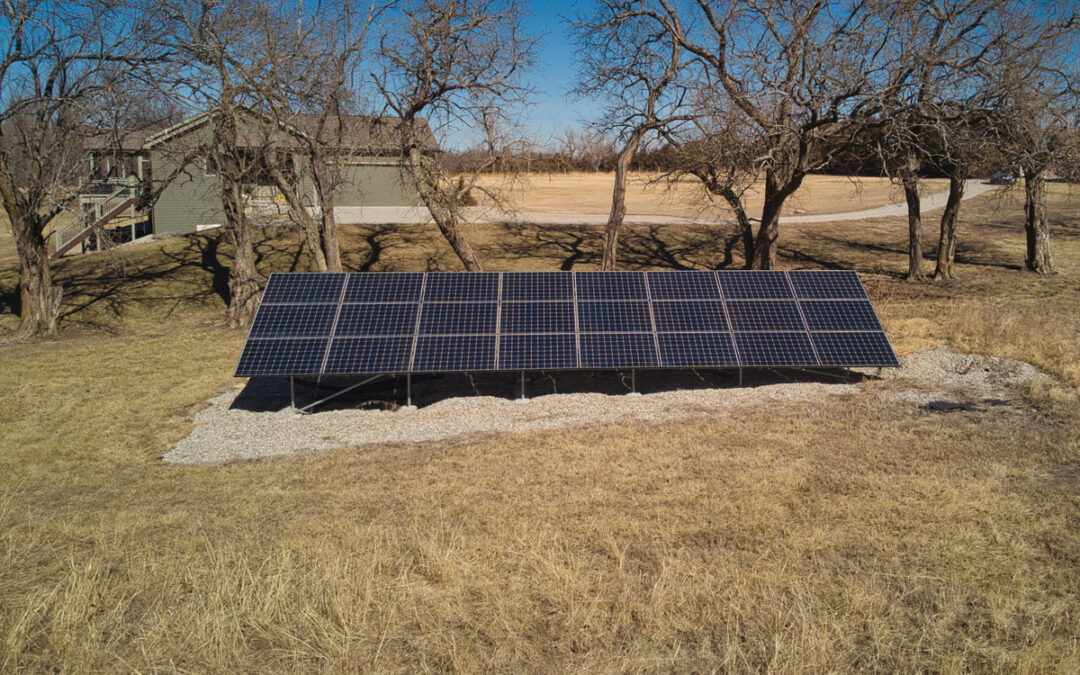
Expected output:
(104, 210)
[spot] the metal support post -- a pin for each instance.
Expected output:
(408, 389)
(523, 385)
(633, 380)
(292, 392)
(339, 393)
(740, 377)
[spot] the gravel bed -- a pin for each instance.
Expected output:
(226, 431)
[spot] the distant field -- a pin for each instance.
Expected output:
(581, 192)
(849, 535)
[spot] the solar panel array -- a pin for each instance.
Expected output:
(401, 322)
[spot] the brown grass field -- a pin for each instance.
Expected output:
(848, 535)
(649, 195)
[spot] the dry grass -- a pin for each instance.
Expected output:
(581, 192)
(857, 534)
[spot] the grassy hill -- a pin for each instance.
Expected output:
(851, 534)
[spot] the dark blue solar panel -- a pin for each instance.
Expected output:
(827, 284)
(751, 315)
(840, 315)
(303, 287)
(690, 315)
(618, 350)
(775, 349)
(854, 349)
(626, 317)
(377, 319)
(293, 321)
(688, 285)
(288, 356)
(458, 318)
(537, 286)
(384, 287)
(461, 287)
(610, 285)
(455, 352)
(537, 352)
(754, 285)
(692, 350)
(368, 355)
(537, 317)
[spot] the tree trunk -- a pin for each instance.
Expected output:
(910, 180)
(331, 251)
(243, 280)
(39, 298)
(746, 230)
(299, 214)
(768, 236)
(1039, 256)
(618, 202)
(443, 212)
(946, 250)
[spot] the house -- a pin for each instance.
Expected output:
(161, 180)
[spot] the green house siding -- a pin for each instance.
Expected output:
(367, 183)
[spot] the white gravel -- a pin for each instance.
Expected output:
(224, 432)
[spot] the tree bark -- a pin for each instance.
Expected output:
(243, 280)
(324, 187)
(946, 251)
(1040, 258)
(768, 235)
(746, 230)
(39, 298)
(910, 181)
(618, 202)
(299, 214)
(442, 211)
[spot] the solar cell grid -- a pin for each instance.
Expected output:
(618, 350)
(537, 317)
(458, 318)
(615, 317)
(839, 315)
(289, 356)
(610, 285)
(688, 285)
(368, 355)
(775, 349)
(303, 287)
(697, 350)
(377, 319)
(384, 287)
(534, 286)
(461, 287)
(827, 284)
(753, 315)
(854, 349)
(690, 315)
(537, 352)
(293, 321)
(754, 285)
(454, 352)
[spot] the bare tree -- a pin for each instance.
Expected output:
(306, 87)
(59, 62)
(633, 64)
(794, 69)
(214, 47)
(457, 62)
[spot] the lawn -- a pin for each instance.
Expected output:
(851, 534)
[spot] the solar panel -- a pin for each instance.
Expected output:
(454, 352)
(377, 319)
(394, 322)
(537, 352)
(388, 287)
(618, 350)
(458, 318)
(614, 317)
(533, 286)
(303, 288)
(537, 317)
(278, 321)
